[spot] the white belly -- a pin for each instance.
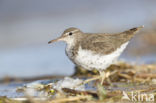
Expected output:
(88, 60)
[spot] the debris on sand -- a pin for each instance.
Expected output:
(125, 79)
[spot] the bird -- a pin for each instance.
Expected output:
(95, 50)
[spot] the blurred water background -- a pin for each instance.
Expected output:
(27, 25)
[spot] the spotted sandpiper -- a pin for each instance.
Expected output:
(95, 50)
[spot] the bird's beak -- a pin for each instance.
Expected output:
(57, 39)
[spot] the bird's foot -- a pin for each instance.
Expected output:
(88, 80)
(91, 79)
(103, 75)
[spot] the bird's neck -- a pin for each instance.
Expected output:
(70, 50)
(70, 43)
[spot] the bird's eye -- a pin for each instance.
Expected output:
(70, 33)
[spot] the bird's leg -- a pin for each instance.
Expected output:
(91, 79)
(104, 75)
(88, 80)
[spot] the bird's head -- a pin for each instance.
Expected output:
(69, 36)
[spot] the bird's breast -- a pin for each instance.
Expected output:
(71, 52)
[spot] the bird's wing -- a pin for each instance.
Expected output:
(107, 43)
(102, 43)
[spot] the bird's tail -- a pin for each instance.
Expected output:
(129, 34)
(133, 30)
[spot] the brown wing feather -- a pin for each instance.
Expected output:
(107, 43)
(102, 43)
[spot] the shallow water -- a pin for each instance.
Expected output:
(9, 90)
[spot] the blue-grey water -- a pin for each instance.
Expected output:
(9, 90)
(35, 61)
